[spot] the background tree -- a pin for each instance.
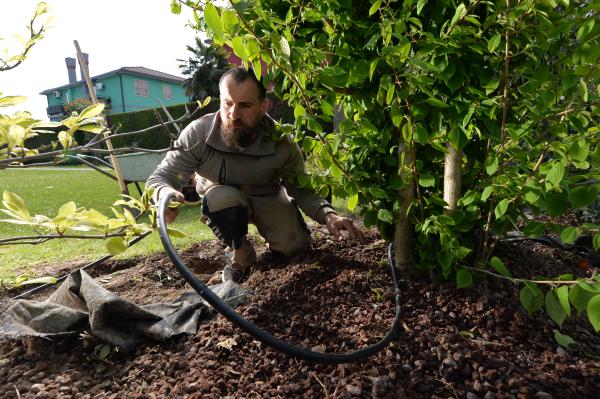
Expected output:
(203, 70)
(460, 118)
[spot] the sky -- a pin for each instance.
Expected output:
(115, 34)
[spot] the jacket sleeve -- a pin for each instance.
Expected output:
(307, 200)
(178, 165)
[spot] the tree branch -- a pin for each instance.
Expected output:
(46, 237)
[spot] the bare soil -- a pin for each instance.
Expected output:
(463, 343)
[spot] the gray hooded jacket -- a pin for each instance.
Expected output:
(264, 167)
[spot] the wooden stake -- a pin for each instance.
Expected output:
(109, 146)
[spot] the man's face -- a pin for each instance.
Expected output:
(241, 109)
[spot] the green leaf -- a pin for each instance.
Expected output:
(554, 308)
(385, 216)
(378, 193)
(374, 7)
(460, 12)
(426, 180)
(583, 90)
(579, 297)
(420, 5)
(569, 234)
(464, 278)
(501, 208)
(494, 42)
(91, 111)
(593, 311)
(390, 94)
(563, 340)
(175, 7)
(396, 114)
(372, 68)
(562, 293)
(116, 245)
(583, 196)
(556, 174)
(436, 102)
(285, 47)
(314, 125)
(352, 202)
(68, 209)
(491, 86)
(213, 20)
(239, 48)
(486, 193)
(499, 266)
(91, 129)
(39, 280)
(579, 150)
(491, 164)
(9, 101)
(299, 111)
(596, 241)
(16, 204)
(531, 299)
(534, 228)
(585, 28)
(173, 232)
(556, 203)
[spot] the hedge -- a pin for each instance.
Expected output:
(138, 120)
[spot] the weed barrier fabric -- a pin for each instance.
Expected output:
(81, 304)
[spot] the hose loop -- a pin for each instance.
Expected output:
(261, 335)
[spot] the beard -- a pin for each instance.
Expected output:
(238, 137)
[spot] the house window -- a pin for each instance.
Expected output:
(141, 88)
(167, 92)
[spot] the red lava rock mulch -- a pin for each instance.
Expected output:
(473, 343)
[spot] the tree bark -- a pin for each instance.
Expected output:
(403, 231)
(452, 178)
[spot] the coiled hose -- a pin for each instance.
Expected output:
(285, 347)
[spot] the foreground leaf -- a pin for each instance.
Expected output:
(531, 298)
(593, 311)
(563, 340)
(116, 245)
(555, 309)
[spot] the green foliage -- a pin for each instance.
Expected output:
(563, 340)
(74, 222)
(203, 70)
(25, 279)
(507, 84)
(20, 127)
(46, 190)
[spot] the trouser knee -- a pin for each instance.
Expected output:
(227, 213)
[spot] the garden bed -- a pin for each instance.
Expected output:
(475, 343)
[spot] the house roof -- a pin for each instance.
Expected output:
(137, 70)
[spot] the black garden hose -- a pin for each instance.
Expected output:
(285, 347)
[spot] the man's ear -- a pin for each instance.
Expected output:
(264, 106)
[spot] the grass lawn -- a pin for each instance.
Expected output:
(45, 190)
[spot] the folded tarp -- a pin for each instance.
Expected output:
(81, 304)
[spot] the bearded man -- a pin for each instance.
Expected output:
(246, 173)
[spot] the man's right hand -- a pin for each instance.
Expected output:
(172, 213)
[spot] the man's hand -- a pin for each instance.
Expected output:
(172, 213)
(335, 224)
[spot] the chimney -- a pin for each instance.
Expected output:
(87, 63)
(71, 64)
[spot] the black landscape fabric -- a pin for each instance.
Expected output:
(81, 304)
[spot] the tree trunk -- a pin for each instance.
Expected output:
(403, 231)
(452, 177)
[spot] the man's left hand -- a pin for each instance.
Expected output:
(336, 224)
